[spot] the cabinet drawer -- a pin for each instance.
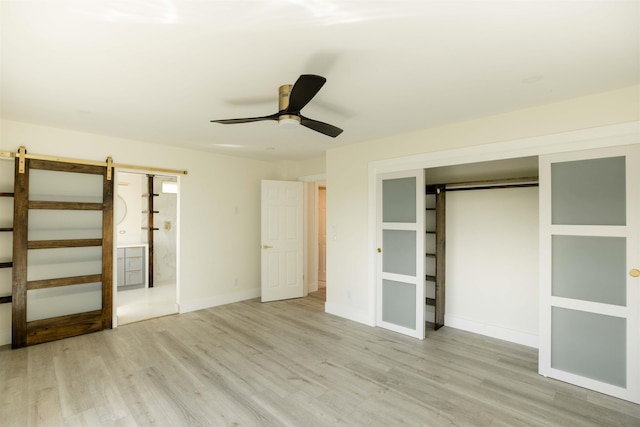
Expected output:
(134, 277)
(133, 252)
(134, 263)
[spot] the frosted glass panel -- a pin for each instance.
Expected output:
(590, 268)
(399, 200)
(53, 302)
(63, 262)
(399, 303)
(589, 192)
(64, 186)
(590, 345)
(55, 225)
(399, 252)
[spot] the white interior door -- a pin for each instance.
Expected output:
(282, 240)
(589, 248)
(401, 252)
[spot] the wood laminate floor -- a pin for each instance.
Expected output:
(288, 364)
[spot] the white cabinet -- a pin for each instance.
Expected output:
(132, 266)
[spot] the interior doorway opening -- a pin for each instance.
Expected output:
(491, 238)
(322, 237)
(147, 226)
(315, 232)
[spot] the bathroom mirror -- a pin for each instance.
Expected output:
(121, 209)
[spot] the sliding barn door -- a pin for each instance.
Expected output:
(401, 248)
(590, 261)
(62, 251)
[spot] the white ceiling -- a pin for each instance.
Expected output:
(159, 70)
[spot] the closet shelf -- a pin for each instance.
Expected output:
(436, 213)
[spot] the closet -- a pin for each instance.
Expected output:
(437, 252)
(436, 235)
(464, 206)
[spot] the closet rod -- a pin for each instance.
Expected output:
(92, 163)
(529, 181)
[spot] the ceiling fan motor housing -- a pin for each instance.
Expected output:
(283, 103)
(291, 100)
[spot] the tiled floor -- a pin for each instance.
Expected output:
(135, 305)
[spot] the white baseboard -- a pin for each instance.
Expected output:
(349, 313)
(312, 286)
(200, 304)
(518, 337)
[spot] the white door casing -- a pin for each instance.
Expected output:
(590, 335)
(322, 234)
(282, 240)
(400, 261)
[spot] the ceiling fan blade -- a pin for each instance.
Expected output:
(246, 120)
(321, 127)
(304, 89)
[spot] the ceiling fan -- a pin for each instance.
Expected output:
(291, 99)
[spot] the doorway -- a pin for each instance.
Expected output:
(315, 232)
(322, 237)
(146, 221)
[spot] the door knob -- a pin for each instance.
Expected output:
(267, 247)
(634, 273)
(379, 250)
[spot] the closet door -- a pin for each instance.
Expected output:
(590, 256)
(400, 248)
(63, 251)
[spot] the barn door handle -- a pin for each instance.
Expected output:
(267, 247)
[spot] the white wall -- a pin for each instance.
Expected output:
(129, 188)
(492, 263)
(220, 208)
(350, 287)
(164, 239)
